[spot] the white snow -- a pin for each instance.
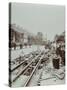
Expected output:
(20, 81)
(26, 50)
(49, 77)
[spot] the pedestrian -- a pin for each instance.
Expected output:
(62, 55)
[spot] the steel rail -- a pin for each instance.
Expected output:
(11, 70)
(25, 68)
(28, 80)
(19, 64)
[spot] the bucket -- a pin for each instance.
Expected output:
(56, 63)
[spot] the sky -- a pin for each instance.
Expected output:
(48, 19)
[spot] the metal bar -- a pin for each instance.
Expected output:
(25, 68)
(28, 80)
(19, 65)
(47, 78)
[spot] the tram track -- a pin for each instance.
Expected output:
(28, 80)
(22, 71)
